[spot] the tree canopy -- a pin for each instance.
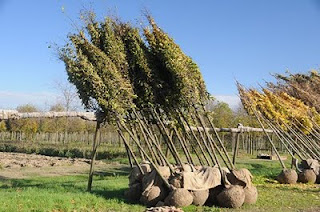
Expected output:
(116, 66)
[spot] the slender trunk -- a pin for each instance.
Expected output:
(195, 137)
(219, 140)
(271, 142)
(149, 159)
(126, 143)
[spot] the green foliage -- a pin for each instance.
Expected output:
(102, 86)
(3, 126)
(73, 150)
(57, 108)
(29, 126)
(222, 115)
(27, 108)
(180, 77)
(114, 69)
(302, 86)
(141, 67)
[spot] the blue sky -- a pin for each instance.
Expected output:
(241, 39)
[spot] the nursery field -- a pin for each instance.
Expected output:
(49, 188)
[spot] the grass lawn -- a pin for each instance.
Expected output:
(67, 193)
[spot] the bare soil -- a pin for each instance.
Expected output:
(19, 165)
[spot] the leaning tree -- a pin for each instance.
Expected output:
(117, 72)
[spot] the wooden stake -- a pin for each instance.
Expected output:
(93, 156)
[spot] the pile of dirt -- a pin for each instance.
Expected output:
(17, 160)
(21, 166)
(191, 185)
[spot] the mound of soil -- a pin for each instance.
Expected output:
(179, 197)
(18, 160)
(307, 176)
(200, 197)
(232, 197)
(288, 176)
(251, 195)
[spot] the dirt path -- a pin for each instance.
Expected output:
(19, 165)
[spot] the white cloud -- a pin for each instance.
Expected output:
(232, 100)
(10, 100)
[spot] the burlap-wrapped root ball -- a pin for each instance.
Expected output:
(200, 197)
(213, 193)
(307, 176)
(288, 176)
(179, 197)
(152, 196)
(232, 197)
(135, 174)
(241, 177)
(134, 192)
(251, 194)
(164, 171)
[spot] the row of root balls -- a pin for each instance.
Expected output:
(231, 195)
(290, 176)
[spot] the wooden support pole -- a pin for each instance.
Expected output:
(236, 149)
(93, 156)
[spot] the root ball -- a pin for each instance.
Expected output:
(251, 195)
(232, 197)
(288, 176)
(179, 197)
(307, 176)
(152, 196)
(200, 197)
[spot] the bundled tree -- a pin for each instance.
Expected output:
(290, 119)
(180, 80)
(305, 87)
(115, 70)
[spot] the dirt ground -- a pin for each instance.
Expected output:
(19, 165)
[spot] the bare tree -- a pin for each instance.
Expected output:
(67, 95)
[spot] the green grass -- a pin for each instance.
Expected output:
(68, 193)
(65, 194)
